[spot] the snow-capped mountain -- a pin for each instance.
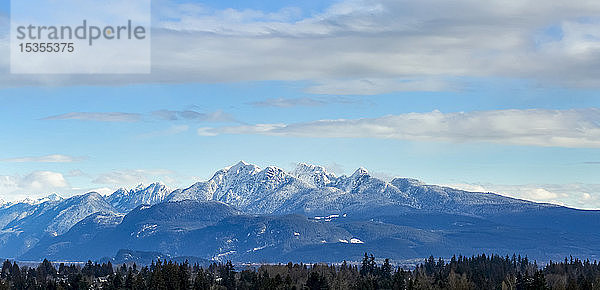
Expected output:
(308, 189)
(17, 210)
(247, 188)
(311, 190)
(267, 214)
(445, 199)
(126, 200)
(215, 231)
(49, 218)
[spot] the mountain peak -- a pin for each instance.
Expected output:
(240, 164)
(155, 185)
(314, 175)
(241, 167)
(121, 190)
(30, 201)
(125, 200)
(304, 167)
(360, 172)
(54, 197)
(93, 195)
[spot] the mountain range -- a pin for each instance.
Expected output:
(248, 214)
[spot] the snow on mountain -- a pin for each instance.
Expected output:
(85, 231)
(126, 200)
(52, 197)
(246, 187)
(157, 227)
(198, 191)
(313, 175)
(31, 201)
(27, 223)
(203, 229)
(76, 209)
(56, 217)
(248, 213)
(310, 189)
(206, 190)
(307, 189)
(445, 199)
(17, 210)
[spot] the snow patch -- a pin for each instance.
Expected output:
(262, 230)
(219, 256)
(356, 241)
(146, 230)
(329, 217)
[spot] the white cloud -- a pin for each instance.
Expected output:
(129, 178)
(375, 86)
(289, 102)
(397, 44)
(216, 116)
(42, 180)
(52, 158)
(165, 115)
(33, 185)
(305, 101)
(98, 117)
(577, 195)
(535, 127)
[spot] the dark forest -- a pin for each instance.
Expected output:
(478, 272)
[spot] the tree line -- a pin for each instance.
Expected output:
(476, 272)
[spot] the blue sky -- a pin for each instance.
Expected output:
(403, 88)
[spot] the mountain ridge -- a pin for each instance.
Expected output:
(226, 184)
(308, 210)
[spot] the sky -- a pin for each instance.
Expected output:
(498, 96)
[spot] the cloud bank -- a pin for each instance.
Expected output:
(98, 117)
(32, 185)
(367, 46)
(217, 116)
(163, 115)
(534, 127)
